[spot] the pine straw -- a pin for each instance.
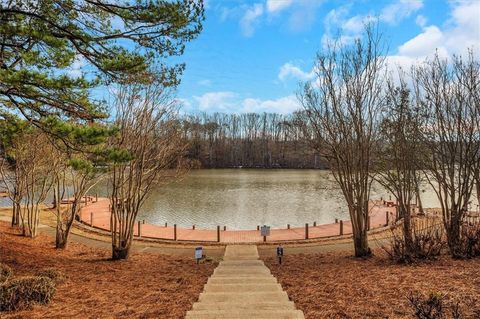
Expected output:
(145, 286)
(340, 286)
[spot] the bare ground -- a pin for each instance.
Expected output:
(145, 286)
(336, 285)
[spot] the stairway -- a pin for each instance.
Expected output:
(242, 287)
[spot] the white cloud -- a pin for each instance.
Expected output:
(283, 105)
(231, 102)
(337, 20)
(222, 100)
(421, 21)
(462, 32)
(274, 6)
(423, 44)
(289, 70)
(75, 70)
(249, 21)
(399, 10)
(184, 102)
(304, 15)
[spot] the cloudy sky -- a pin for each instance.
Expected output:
(252, 55)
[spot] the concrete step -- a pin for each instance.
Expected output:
(239, 297)
(247, 270)
(242, 274)
(262, 314)
(242, 280)
(237, 252)
(251, 271)
(270, 287)
(241, 262)
(259, 305)
(238, 265)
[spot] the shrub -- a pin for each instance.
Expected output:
(433, 306)
(428, 239)
(470, 240)
(23, 292)
(427, 242)
(5, 273)
(54, 274)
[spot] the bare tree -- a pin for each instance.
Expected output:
(149, 152)
(30, 178)
(397, 161)
(449, 94)
(79, 175)
(342, 109)
(75, 169)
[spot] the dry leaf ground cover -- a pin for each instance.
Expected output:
(145, 286)
(339, 286)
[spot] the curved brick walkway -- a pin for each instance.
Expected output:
(97, 214)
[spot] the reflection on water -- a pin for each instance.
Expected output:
(245, 198)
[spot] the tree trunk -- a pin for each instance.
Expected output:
(15, 214)
(453, 237)
(478, 189)
(360, 242)
(419, 199)
(61, 239)
(407, 231)
(119, 253)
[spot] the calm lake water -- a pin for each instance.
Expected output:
(245, 198)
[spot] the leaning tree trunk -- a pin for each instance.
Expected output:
(64, 227)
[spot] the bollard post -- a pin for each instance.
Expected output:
(174, 231)
(218, 233)
(91, 219)
(264, 238)
(224, 228)
(96, 197)
(143, 221)
(314, 224)
(341, 227)
(336, 220)
(139, 229)
(193, 227)
(166, 224)
(258, 227)
(306, 231)
(386, 217)
(288, 226)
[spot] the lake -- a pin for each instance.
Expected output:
(245, 198)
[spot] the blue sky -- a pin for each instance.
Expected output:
(252, 55)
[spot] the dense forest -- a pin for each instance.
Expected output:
(266, 140)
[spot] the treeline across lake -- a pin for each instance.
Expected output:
(251, 140)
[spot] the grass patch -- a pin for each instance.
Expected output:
(5, 273)
(23, 292)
